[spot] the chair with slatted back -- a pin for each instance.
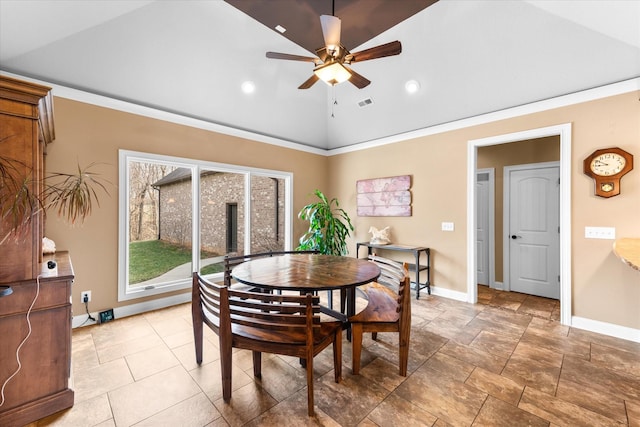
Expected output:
(281, 324)
(388, 310)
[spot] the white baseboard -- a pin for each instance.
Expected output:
(604, 328)
(498, 286)
(133, 309)
(610, 329)
(83, 320)
(446, 293)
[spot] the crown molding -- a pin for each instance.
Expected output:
(613, 89)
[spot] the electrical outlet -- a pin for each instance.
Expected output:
(85, 296)
(447, 226)
(600, 233)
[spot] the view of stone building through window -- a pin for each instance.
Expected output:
(267, 214)
(161, 219)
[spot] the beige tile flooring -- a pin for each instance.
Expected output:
(505, 361)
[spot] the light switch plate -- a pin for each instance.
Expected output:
(600, 233)
(447, 226)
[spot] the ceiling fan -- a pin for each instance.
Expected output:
(330, 64)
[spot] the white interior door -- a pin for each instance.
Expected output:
(532, 229)
(482, 228)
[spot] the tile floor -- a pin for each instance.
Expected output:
(503, 362)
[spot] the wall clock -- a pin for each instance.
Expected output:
(606, 167)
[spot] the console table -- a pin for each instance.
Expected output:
(417, 266)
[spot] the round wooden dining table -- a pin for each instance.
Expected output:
(309, 273)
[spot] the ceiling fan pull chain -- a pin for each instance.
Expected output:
(335, 101)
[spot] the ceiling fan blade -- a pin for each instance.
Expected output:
(388, 49)
(277, 55)
(331, 27)
(309, 82)
(358, 80)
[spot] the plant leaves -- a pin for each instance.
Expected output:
(329, 226)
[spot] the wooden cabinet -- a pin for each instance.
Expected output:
(41, 387)
(26, 127)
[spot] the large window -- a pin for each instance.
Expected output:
(181, 215)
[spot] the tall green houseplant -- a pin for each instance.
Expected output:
(329, 226)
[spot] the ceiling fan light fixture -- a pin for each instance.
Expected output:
(332, 73)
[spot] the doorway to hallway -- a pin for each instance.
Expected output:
(563, 132)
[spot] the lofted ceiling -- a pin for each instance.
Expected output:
(470, 57)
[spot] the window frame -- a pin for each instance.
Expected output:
(125, 157)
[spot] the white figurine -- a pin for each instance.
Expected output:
(48, 246)
(379, 237)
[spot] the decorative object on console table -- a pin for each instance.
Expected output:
(607, 167)
(40, 386)
(379, 237)
(384, 196)
(417, 267)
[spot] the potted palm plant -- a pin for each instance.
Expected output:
(25, 198)
(71, 195)
(24, 201)
(329, 226)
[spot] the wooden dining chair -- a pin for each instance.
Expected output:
(388, 310)
(281, 324)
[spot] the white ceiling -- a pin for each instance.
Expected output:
(470, 56)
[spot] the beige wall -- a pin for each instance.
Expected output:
(515, 153)
(86, 134)
(603, 288)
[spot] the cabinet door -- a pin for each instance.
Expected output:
(45, 369)
(25, 117)
(41, 386)
(19, 148)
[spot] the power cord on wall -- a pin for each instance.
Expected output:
(89, 316)
(2, 398)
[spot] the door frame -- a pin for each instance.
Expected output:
(564, 132)
(506, 222)
(492, 224)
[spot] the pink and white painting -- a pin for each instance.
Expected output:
(384, 196)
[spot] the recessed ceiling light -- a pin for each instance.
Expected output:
(412, 86)
(248, 87)
(280, 28)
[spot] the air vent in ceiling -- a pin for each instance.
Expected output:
(365, 102)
